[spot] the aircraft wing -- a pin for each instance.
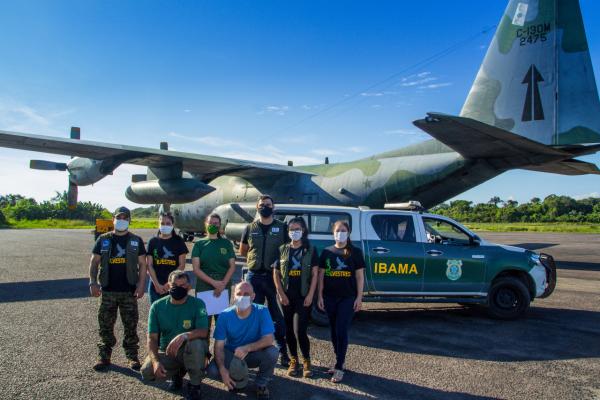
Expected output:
(203, 167)
(505, 150)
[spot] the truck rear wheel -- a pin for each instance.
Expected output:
(508, 298)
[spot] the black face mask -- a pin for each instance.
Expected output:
(178, 292)
(265, 211)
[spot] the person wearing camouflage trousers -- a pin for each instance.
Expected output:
(117, 277)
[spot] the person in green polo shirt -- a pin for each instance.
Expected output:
(213, 259)
(177, 337)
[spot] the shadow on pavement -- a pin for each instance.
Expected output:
(542, 334)
(44, 290)
(578, 265)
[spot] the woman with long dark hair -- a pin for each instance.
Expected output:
(213, 259)
(295, 277)
(341, 281)
(166, 253)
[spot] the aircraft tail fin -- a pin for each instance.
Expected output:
(536, 79)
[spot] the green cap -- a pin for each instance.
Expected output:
(122, 210)
(238, 371)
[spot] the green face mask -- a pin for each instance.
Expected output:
(212, 229)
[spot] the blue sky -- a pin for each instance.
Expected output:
(272, 81)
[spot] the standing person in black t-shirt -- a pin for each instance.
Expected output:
(295, 277)
(341, 281)
(118, 276)
(260, 244)
(166, 253)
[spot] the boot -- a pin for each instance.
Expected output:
(293, 367)
(306, 367)
(102, 365)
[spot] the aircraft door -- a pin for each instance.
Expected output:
(394, 258)
(453, 263)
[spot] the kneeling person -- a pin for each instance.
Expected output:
(177, 333)
(244, 332)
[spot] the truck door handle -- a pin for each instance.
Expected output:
(434, 253)
(381, 250)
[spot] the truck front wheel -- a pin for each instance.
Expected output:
(508, 298)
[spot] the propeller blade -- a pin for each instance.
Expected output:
(47, 165)
(72, 196)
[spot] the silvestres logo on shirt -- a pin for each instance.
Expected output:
(339, 271)
(295, 267)
(164, 260)
(119, 258)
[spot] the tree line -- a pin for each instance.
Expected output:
(15, 206)
(551, 209)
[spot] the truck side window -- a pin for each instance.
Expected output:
(322, 223)
(440, 231)
(395, 228)
(289, 216)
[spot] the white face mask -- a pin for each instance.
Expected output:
(340, 236)
(295, 235)
(242, 302)
(121, 225)
(166, 229)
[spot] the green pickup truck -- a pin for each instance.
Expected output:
(414, 256)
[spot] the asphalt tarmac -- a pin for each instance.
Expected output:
(48, 335)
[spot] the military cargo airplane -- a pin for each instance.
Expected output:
(534, 105)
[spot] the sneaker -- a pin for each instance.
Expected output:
(102, 365)
(134, 364)
(306, 368)
(194, 392)
(176, 383)
(262, 393)
(284, 360)
(293, 367)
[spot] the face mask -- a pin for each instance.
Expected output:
(121, 225)
(166, 229)
(212, 229)
(265, 211)
(178, 292)
(295, 235)
(242, 302)
(340, 236)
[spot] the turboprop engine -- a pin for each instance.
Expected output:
(168, 191)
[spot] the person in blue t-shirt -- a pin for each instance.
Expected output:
(245, 331)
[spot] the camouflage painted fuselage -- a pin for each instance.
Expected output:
(429, 172)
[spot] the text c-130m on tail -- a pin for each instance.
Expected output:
(534, 105)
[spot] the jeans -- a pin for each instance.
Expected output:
(264, 288)
(340, 312)
(264, 360)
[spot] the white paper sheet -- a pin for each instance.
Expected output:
(214, 305)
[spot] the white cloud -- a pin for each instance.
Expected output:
(16, 116)
(418, 81)
(372, 94)
(187, 110)
(212, 141)
(588, 195)
(325, 152)
(278, 110)
(436, 85)
(356, 149)
(403, 132)
(376, 106)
